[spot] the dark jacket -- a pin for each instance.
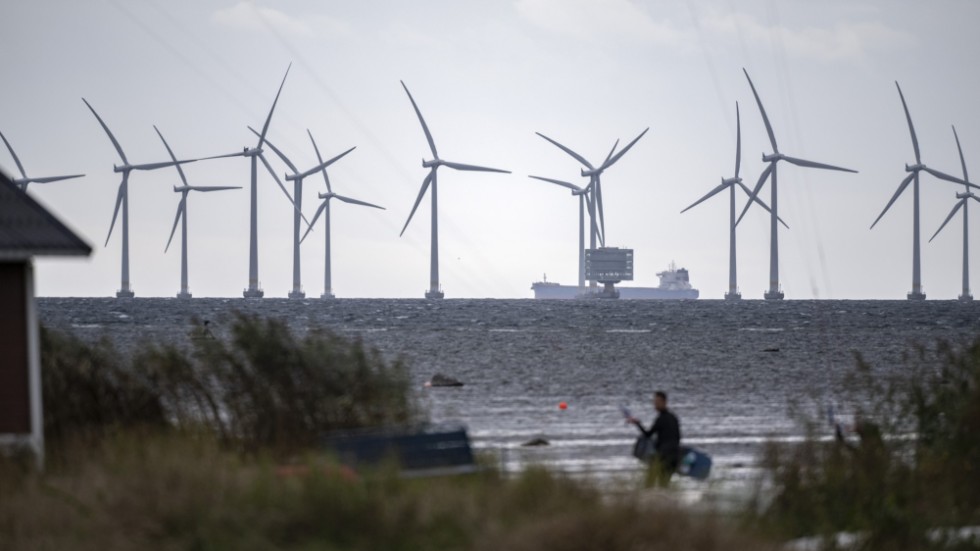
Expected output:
(668, 432)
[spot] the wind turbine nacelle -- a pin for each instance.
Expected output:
(730, 181)
(291, 177)
(771, 158)
(914, 168)
(432, 163)
(123, 168)
(965, 195)
(591, 172)
(178, 189)
(325, 195)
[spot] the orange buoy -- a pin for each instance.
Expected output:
(562, 406)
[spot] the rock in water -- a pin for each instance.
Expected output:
(537, 442)
(443, 380)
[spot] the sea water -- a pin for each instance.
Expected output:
(734, 371)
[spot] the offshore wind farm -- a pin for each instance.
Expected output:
(516, 232)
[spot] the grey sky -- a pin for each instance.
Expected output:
(487, 75)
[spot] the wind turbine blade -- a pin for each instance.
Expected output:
(915, 140)
(20, 167)
(947, 177)
(282, 187)
(755, 192)
(172, 156)
(901, 188)
(327, 163)
(319, 159)
(709, 195)
(115, 212)
(425, 127)
(959, 205)
(49, 179)
(316, 217)
(155, 166)
(765, 117)
(180, 210)
(577, 157)
(225, 156)
(611, 151)
(460, 166)
(357, 202)
(568, 185)
(811, 164)
(966, 176)
(268, 119)
(738, 140)
(425, 186)
(280, 154)
(212, 188)
(112, 138)
(761, 203)
(623, 151)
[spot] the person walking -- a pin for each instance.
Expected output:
(666, 428)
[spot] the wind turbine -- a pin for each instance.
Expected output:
(182, 216)
(325, 210)
(731, 184)
(433, 165)
(122, 201)
(964, 198)
(24, 180)
(255, 155)
(773, 159)
(595, 185)
(913, 177)
(297, 178)
(583, 200)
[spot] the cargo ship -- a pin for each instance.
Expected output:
(675, 284)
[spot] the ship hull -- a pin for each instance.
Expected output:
(566, 292)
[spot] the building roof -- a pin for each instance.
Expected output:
(28, 229)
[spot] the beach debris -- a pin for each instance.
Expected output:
(440, 380)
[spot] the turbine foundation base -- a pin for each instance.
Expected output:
(253, 293)
(327, 296)
(435, 294)
(183, 295)
(773, 295)
(734, 295)
(916, 295)
(297, 294)
(125, 293)
(966, 297)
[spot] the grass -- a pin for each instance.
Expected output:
(895, 490)
(187, 491)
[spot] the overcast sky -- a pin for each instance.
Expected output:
(487, 75)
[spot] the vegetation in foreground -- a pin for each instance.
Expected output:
(924, 475)
(185, 491)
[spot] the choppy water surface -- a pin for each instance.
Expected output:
(731, 369)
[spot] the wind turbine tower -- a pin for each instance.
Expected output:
(324, 209)
(775, 292)
(297, 178)
(182, 216)
(583, 200)
(122, 202)
(731, 184)
(435, 290)
(24, 180)
(913, 177)
(962, 203)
